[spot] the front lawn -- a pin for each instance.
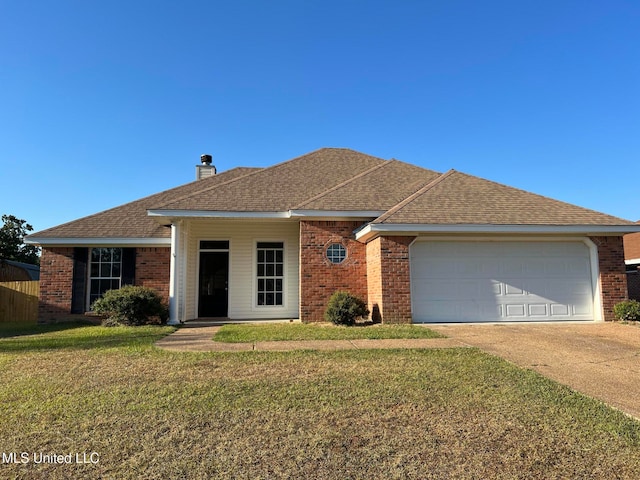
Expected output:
(381, 414)
(235, 333)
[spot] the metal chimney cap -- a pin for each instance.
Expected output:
(206, 159)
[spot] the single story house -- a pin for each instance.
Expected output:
(632, 262)
(275, 243)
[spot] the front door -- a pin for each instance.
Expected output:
(214, 280)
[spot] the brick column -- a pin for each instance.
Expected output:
(389, 279)
(319, 278)
(56, 283)
(613, 279)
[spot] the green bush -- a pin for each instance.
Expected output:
(344, 308)
(627, 311)
(131, 305)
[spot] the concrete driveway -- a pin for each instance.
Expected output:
(601, 360)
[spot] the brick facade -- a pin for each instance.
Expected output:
(56, 278)
(613, 279)
(319, 278)
(389, 279)
(153, 269)
(378, 272)
(56, 282)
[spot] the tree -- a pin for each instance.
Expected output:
(12, 246)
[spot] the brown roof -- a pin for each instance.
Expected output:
(281, 187)
(337, 179)
(632, 246)
(131, 220)
(378, 188)
(456, 198)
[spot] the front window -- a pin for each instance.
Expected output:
(336, 253)
(105, 272)
(270, 269)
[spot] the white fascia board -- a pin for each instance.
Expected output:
(214, 214)
(632, 261)
(99, 241)
(374, 229)
(336, 214)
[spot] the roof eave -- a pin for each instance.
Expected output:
(336, 214)
(373, 230)
(98, 241)
(169, 214)
(163, 215)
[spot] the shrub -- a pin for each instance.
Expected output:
(344, 308)
(131, 305)
(628, 311)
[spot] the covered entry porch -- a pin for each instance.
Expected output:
(228, 270)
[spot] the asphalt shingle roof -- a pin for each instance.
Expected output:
(131, 220)
(379, 188)
(280, 187)
(337, 179)
(456, 198)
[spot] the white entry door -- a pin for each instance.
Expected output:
(500, 281)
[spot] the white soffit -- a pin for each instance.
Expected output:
(374, 229)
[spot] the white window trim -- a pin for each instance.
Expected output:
(285, 276)
(344, 247)
(87, 306)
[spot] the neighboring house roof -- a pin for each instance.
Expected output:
(335, 182)
(632, 248)
(18, 271)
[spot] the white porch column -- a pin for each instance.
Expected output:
(174, 284)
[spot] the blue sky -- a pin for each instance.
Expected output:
(105, 102)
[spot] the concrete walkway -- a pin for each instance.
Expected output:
(601, 360)
(198, 338)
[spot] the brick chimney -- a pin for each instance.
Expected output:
(205, 169)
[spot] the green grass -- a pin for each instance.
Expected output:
(234, 333)
(379, 414)
(78, 337)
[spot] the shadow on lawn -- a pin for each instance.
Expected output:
(15, 329)
(77, 336)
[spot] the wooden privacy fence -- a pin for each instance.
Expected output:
(19, 301)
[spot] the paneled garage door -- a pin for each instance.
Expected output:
(500, 281)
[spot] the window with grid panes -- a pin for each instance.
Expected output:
(270, 273)
(105, 271)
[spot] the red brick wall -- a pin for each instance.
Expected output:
(319, 278)
(374, 279)
(613, 279)
(153, 269)
(632, 246)
(56, 277)
(395, 305)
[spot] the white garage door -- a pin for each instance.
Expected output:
(500, 281)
